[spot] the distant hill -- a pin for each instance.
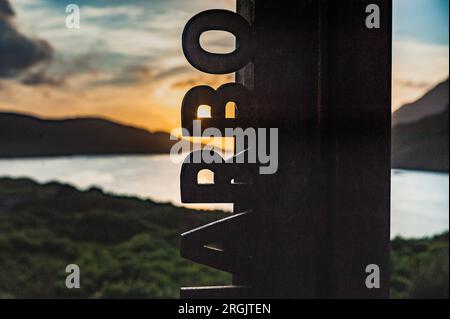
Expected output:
(420, 134)
(432, 103)
(27, 136)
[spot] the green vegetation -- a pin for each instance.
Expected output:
(420, 267)
(128, 248)
(125, 247)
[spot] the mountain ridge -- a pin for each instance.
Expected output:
(419, 135)
(430, 104)
(23, 135)
(420, 132)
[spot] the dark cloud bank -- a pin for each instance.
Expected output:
(17, 51)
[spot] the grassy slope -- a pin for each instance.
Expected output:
(420, 267)
(127, 247)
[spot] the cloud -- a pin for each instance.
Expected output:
(17, 51)
(413, 84)
(129, 75)
(124, 63)
(116, 12)
(200, 79)
(417, 67)
(41, 78)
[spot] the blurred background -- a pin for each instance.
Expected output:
(85, 121)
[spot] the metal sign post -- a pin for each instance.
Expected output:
(320, 72)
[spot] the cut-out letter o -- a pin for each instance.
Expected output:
(219, 20)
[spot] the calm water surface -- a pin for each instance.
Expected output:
(420, 204)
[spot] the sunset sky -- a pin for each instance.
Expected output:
(125, 62)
